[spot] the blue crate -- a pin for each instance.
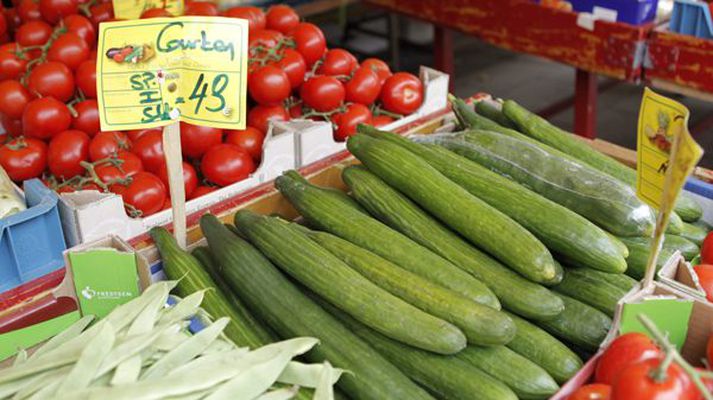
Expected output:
(635, 12)
(691, 18)
(31, 241)
(699, 187)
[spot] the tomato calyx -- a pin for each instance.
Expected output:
(44, 49)
(94, 177)
(18, 143)
(263, 55)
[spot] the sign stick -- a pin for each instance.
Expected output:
(174, 167)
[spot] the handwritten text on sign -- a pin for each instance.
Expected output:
(154, 72)
(132, 9)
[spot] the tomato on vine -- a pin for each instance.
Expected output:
(204, 8)
(69, 49)
(282, 18)
(86, 78)
(149, 147)
(87, 119)
(101, 12)
(269, 85)
(338, 62)
(143, 195)
(363, 87)
(12, 62)
(82, 27)
(23, 158)
(201, 191)
(107, 144)
(197, 139)
(322, 93)
(260, 116)
(33, 33)
(641, 381)
(156, 13)
(226, 164)
(294, 66)
(380, 67)
(45, 117)
(594, 391)
(13, 98)
(402, 93)
(249, 139)
(66, 152)
(309, 41)
(626, 349)
(254, 15)
(54, 10)
(29, 10)
(119, 166)
(52, 78)
(190, 178)
(381, 120)
(346, 122)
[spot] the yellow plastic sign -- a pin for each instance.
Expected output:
(666, 151)
(155, 72)
(132, 9)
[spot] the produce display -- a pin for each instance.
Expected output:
(49, 112)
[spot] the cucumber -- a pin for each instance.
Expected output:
(688, 208)
(490, 111)
(328, 276)
(447, 376)
(580, 324)
(694, 233)
(516, 293)
(544, 350)
(482, 325)
(622, 281)
(703, 225)
(527, 379)
(639, 249)
(326, 211)
(469, 119)
(476, 220)
(187, 270)
(687, 248)
(291, 314)
(589, 289)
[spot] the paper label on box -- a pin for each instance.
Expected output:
(154, 72)
(605, 14)
(670, 315)
(132, 9)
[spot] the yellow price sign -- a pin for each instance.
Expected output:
(132, 9)
(155, 72)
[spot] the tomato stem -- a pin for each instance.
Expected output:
(380, 111)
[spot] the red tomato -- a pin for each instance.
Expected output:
(12, 63)
(149, 147)
(705, 276)
(709, 351)
(200, 8)
(81, 26)
(402, 93)
(226, 164)
(121, 166)
(13, 127)
(322, 93)
(309, 41)
(54, 10)
(254, 15)
(635, 383)
(260, 116)
(381, 120)
(66, 151)
(338, 62)
(347, 121)
(69, 49)
(144, 196)
(107, 144)
(101, 12)
(363, 87)
(265, 39)
(627, 349)
(33, 33)
(52, 79)
(249, 139)
(282, 18)
(269, 85)
(13, 98)
(380, 67)
(86, 78)
(87, 119)
(156, 13)
(294, 66)
(136, 134)
(200, 191)
(707, 249)
(296, 110)
(196, 139)
(45, 117)
(707, 382)
(190, 178)
(594, 391)
(23, 158)
(29, 10)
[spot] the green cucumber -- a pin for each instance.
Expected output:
(325, 210)
(527, 379)
(703, 225)
(694, 233)
(639, 249)
(490, 111)
(516, 293)
(579, 324)
(292, 314)
(688, 208)
(469, 119)
(482, 325)
(622, 281)
(687, 248)
(598, 293)
(328, 276)
(476, 220)
(544, 350)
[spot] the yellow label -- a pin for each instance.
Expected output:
(154, 72)
(666, 152)
(132, 9)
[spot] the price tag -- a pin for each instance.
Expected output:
(132, 9)
(158, 71)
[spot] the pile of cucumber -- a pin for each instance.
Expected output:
(468, 267)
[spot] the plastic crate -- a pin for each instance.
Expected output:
(635, 12)
(31, 241)
(691, 17)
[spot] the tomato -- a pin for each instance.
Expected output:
(254, 15)
(296, 110)
(379, 66)
(23, 158)
(29, 10)
(249, 139)
(65, 153)
(363, 87)
(101, 12)
(381, 120)
(347, 121)
(12, 63)
(200, 8)
(709, 351)
(54, 10)
(86, 78)
(13, 98)
(45, 117)
(107, 144)
(265, 39)
(149, 147)
(69, 49)
(33, 33)
(402, 93)
(269, 85)
(52, 79)
(200, 191)
(594, 391)
(260, 116)
(707, 249)
(707, 382)
(144, 196)
(705, 276)
(322, 93)
(156, 13)
(197, 139)
(635, 383)
(82, 27)
(87, 119)
(136, 134)
(121, 166)
(226, 164)
(282, 18)
(625, 350)
(13, 127)
(309, 41)
(190, 178)
(338, 62)
(294, 66)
